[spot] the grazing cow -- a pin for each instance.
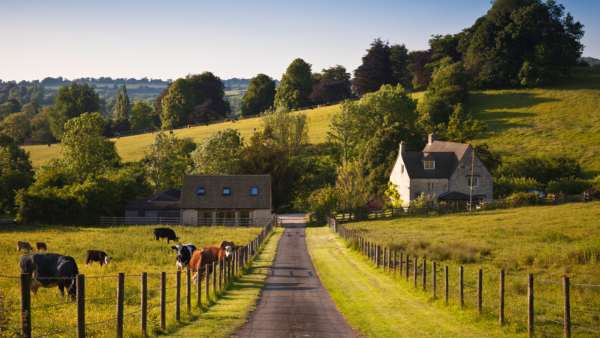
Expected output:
(40, 246)
(25, 246)
(184, 255)
(96, 256)
(218, 252)
(167, 233)
(49, 270)
(201, 258)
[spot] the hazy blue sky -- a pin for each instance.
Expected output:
(169, 39)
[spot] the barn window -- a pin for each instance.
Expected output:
(253, 191)
(429, 164)
(430, 186)
(226, 191)
(200, 191)
(475, 181)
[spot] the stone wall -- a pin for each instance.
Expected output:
(458, 181)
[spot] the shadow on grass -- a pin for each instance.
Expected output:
(505, 100)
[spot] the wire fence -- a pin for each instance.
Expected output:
(90, 310)
(547, 306)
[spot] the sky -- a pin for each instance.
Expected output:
(170, 39)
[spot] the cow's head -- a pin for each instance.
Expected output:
(228, 251)
(71, 288)
(178, 249)
(106, 260)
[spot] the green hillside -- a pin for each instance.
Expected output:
(561, 119)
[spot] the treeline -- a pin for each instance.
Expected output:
(57, 81)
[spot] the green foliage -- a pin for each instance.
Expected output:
(569, 186)
(491, 159)
(177, 105)
(122, 105)
(461, 128)
(84, 151)
(289, 129)
(394, 195)
(121, 124)
(376, 69)
(337, 73)
(40, 128)
(71, 102)
(343, 131)
(423, 201)
(543, 170)
(401, 63)
(142, 116)
(217, 154)
(506, 186)
(16, 171)
(324, 201)
(17, 126)
(260, 95)
(520, 199)
(295, 86)
(166, 160)
(351, 186)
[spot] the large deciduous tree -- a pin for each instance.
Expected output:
(16, 171)
(461, 128)
(142, 116)
(295, 86)
(330, 91)
(343, 126)
(17, 126)
(375, 70)
(217, 154)
(289, 130)
(167, 159)
(71, 102)
(260, 95)
(178, 104)
(401, 64)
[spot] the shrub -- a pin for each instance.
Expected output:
(569, 186)
(543, 170)
(520, 199)
(506, 186)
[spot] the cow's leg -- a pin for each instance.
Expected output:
(100, 263)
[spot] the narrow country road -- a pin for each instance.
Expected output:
(294, 303)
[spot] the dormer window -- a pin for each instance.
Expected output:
(226, 191)
(200, 191)
(429, 164)
(253, 191)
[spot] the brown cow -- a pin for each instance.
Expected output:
(23, 246)
(232, 245)
(201, 258)
(96, 256)
(218, 252)
(40, 246)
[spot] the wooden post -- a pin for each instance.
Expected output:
(80, 306)
(501, 308)
(407, 266)
(26, 306)
(144, 304)
(415, 272)
(221, 271)
(567, 302)
(479, 291)
(394, 264)
(120, 299)
(446, 291)
(199, 288)
(188, 290)
(401, 264)
(461, 286)
(207, 281)
(214, 278)
(163, 300)
(433, 275)
(384, 257)
(178, 293)
(530, 313)
(424, 274)
(377, 254)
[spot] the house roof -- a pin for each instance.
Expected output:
(166, 195)
(458, 149)
(163, 200)
(213, 198)
(415, 168)
(454, 195)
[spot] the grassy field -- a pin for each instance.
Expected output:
(549, 242)
(133, 250)
(377, 304)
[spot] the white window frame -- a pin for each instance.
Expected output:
(475, 180)
(425, 165)
(430, 185)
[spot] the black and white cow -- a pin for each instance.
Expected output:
(49, 270)
(167, 233)
(96, 256)
(184, 255)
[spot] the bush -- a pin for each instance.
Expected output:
(521, 199)
(506, 186)
(569, 186)
(543, 170)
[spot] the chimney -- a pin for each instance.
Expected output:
(401, 147)
(431, 138)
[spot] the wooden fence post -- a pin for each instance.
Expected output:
(401, 264)
(433, 275)
(394, 264)
(415, 271)
(479, 291)
(188, 290)
(199, 287)
(377, 254)
(567, 311)
(530, 313)
(207, 281)
(461, 286)
(144, 304)
(120, 299)
(80, 306)
(221, 271)
(26, 306)
(384, 257)
(214, 278)
(501, 309)
(446, 291)
(407, 267)
(163, 300)
(178, 295)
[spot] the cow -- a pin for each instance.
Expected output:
(230, 247)
(184, 255)
(218, 252)
(40, 246)
(96, 256)
(167, 233)
(200, 259)
(49, 270)
(25, 246)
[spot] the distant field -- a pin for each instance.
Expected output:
(133, 251)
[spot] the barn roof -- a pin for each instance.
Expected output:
(163, 200)
(213, 198)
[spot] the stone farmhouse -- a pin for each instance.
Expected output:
(441, 171)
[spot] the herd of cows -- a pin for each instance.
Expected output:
(50, 270)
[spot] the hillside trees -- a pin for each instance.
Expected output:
(40, 128)
(17, 126)
(343, 129)
(462, 127)
(71, 102)
(217, 154)
(289, 130)
(177, 105)
(260, 95)
(142, 116)
(122, 122)
(166, 160)
(16, 171)
(295, 86)
(375, 70)
(401, 64)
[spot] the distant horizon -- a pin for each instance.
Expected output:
(232, 40)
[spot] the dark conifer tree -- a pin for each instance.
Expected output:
(376, 69)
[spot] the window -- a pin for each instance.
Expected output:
(226, 191)
(475, 181)
(430, 186)
(417, 195)
(200, 191)
(402, 169)
(253, 191)
(429, 164)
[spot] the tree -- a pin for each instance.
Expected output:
(289, 130)
(330, 91)
(142, 116)
(207, 86)
(40, 128)
(122, 104)
(461, 128)
(401, 63)
(295, 86)
(71, 102)
(16, 171)
(260, 95)
(351, 186)
(217, 154)
(177, 105)
(84, 151)
(17, 126)
(491, 159)
(343, 126)
(337, 73)
(422, 73)
(376, 69)
(166, 160)
(30, 109)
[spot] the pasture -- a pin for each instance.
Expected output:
(132, 249)
(549, 242)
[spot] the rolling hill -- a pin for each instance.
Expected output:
(559, 119)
